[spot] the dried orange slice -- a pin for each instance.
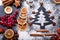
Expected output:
(23, 15)
(22, 27)
(24, 10)
(9, 33)
(21, 21)
(8, 10)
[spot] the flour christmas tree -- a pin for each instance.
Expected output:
(42, 17)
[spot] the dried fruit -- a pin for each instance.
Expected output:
(9, 33)
(9, 20)
(24, 10)
(1, 30)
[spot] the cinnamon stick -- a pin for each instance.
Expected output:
(42, 30)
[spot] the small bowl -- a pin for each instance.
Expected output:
(8, 10)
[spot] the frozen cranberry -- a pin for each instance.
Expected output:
(9, 20)
(1, 22)
(14, 16)
(7, 15)
(15, 21)
(0, 18)
(16, 11)
(4, 23)
(3, 19)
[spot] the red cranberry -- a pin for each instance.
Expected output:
(0, 18)
(9, 20)
(16, 12)
(4, 23)
(1, 22)
(1, 30)
(15, 21)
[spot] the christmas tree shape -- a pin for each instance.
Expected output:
(42, 17)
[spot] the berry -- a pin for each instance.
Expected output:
(1, 30)
(16, 11)
(9, 20)
(15, 21)
(4, 23)
(0, 18)
(1, 22)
